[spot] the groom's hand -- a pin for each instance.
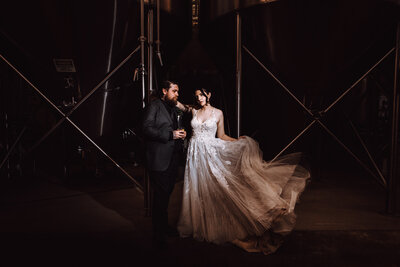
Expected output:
(179, 134)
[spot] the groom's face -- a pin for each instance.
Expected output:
(171, 95)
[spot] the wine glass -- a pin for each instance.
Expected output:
(180, 122)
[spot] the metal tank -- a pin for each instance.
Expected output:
(316, 49)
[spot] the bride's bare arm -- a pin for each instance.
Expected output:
(221, 130)
(184, 107)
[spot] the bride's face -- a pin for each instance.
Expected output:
(201, 98)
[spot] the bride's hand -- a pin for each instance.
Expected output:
(183, 107)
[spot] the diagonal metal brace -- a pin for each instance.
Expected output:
(12, 147)
(55, 126)
(278, 81)
(319, 114)
(65, 117)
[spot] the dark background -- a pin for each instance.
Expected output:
(316, 48)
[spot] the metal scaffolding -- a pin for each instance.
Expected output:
(66, 116)
(393, 186)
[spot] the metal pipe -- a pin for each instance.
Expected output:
(393, 203)
(367, 151)
(138, 185)
(158, 41)
(150, 30)
(238, 36)
(65, 117)
(380, 179)
(106, 85)
(382, 182)
(34, 87)
(44, 97)
(297, 100)
(80, 102)
(278, 81)
(49, 132)
(362, 77)
(9, 150)
(294, 140)
(103, 81)
(142, 40)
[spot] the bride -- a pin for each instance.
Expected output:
(230, 194)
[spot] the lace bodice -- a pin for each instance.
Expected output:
(205, 129)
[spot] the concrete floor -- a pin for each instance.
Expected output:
(89, 221)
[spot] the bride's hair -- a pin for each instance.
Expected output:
(204, 92)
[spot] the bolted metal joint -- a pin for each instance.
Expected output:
(317, 115)
(142, 39)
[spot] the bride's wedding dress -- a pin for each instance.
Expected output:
(231, 195)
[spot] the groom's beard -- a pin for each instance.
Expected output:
(171, 101)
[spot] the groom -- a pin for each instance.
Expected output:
(162, 154)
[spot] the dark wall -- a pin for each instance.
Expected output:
(316, 48)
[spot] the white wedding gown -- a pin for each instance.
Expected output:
(231, 194)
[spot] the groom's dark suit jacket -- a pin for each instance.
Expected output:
(157, 128)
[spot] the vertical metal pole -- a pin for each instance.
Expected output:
(393, 204)
(158, 42)
(150, 30)
(142, 39)
(238, 36)
(107, 83)
(150, 20)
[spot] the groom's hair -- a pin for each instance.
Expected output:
(166, 84)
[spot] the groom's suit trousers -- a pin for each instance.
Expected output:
(163, 184)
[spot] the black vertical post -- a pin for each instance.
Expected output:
(142, 39)
(150, 49)
(238, 37)
(393, 203)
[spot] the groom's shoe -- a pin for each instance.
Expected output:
(171, 231)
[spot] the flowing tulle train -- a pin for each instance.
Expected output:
(232, 195)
